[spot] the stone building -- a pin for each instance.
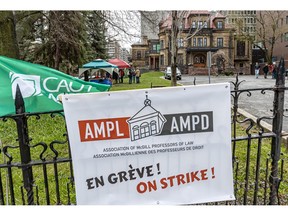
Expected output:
(202, 34)
(205, 38)
(245, 52)
(146, 54)
(139, 54)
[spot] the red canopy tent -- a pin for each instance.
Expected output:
(118, 62)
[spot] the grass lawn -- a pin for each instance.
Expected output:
(146, 80)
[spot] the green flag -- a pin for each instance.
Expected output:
(40, 86)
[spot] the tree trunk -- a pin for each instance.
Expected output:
(174, 48)
(8, 41)
(57, 55)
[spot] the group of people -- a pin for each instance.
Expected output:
(271, 68)
(117, 76)
(133, 75)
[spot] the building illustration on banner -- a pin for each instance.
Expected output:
(146, 122)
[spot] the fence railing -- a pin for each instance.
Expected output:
(36, 164)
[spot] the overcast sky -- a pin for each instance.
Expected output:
(146, 5)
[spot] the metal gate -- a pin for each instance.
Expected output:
(34, 171)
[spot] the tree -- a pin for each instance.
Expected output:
(268, 32)
(96, 39)
(29, 31)
(56, 39)
(60, 39)
(174, 47)
(8, 40)
(122, 25)
(64, 38)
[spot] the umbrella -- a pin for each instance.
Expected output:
(120, 63)
(98, 64)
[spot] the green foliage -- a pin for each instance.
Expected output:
(228, 73)
(245, 171)
(63, 40)
(96, 43)
(43, 132)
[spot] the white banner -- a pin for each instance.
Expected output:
(151, 146)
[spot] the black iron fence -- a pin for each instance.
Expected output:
(36, 164)
(259, 155)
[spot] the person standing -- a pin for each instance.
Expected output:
(130, 72)
(257, 69)
(133, 75)
(115, 75)
(265, 70)
(274, 71)
(121, 75)
(138, 75)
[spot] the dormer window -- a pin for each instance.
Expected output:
(219, 24)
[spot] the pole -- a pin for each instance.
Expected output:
(209, 64)
(23, 138)
(278, 111)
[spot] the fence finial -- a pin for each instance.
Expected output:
(19, 102)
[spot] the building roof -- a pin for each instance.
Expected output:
(167, 23)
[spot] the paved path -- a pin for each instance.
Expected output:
(257, 104)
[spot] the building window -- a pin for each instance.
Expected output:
(205, 42)
(200, 42)
(155, 48)
(162, 44)
(193, 24)
(205, 25)
(219, 24)
(219, 42)
(194, 42)
(162, 60)
(138, 54)
(240, 48)
(286, 20)
(180, 42)
(200, 24)
(286, 36)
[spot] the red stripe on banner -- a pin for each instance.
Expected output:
(103, 129)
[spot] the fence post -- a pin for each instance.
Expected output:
(23, 139)
(278, 109)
